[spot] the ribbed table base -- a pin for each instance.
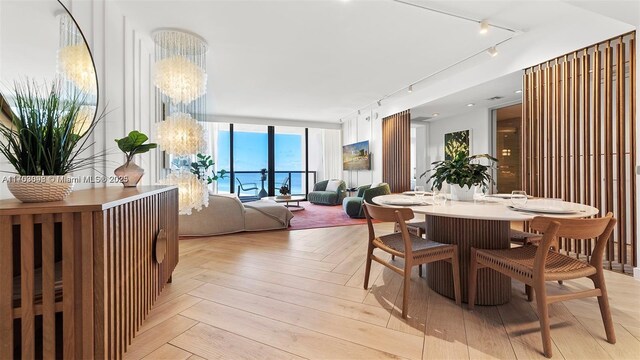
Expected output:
(493, 288)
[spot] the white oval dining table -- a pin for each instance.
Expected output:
(482, 224)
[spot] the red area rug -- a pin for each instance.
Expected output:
(320, 216)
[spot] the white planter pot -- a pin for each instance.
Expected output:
(40, 188)
(462, 193)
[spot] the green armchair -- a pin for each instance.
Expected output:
(333, 195)
(353, 205)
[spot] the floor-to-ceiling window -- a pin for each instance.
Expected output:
(260, 159)
(250, 160)
(290, 159)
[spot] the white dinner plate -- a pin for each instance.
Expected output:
(543, 209)
(413, 193)
(505, 196)
(404, 202)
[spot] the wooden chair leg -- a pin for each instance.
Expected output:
(543, 315)
(529, 291)
(560, 282)
(473, 279)
(420, 270)
(368, 266)
(455, 265)
(605, 311)
(405, 288)
(393, 257)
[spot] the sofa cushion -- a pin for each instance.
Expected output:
(333, 185)
(323, 197)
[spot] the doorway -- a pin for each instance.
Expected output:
(508, 148)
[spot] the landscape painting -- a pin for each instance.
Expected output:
(456, 142)
(356, 156)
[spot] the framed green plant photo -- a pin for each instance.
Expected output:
(456, 142)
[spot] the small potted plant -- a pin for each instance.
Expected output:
(131, 145)
(463, 173)
(201, 166)
(45, 139)
(284, 192)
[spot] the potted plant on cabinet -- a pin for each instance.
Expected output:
(134, 143)
(44, 141)
(463, 173)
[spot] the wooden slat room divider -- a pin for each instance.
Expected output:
(579, 139)
(396, 151)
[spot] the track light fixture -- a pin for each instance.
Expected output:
(359, 112)
(379, 102)
(410, 88)
(484, 27)
(493, 51)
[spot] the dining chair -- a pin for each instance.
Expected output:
(413, 249)
(535, 265)
(247, 187)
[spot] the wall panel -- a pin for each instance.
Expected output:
(396, 151)
(579, 114)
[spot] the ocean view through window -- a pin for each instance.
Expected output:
(250, 156)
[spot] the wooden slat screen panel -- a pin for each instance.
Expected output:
(396, 151)
(578, 117)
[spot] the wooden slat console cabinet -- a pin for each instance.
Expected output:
(78, 277)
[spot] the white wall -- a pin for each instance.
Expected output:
(367, 126)
(478, 121)
(123, 58)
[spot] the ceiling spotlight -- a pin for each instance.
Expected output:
(484, 27)
(410, 88)
(379, 102)
(341, 121)
(519, 91)
(471, 104)
(358, 112)
(492, 51)
(435, 114)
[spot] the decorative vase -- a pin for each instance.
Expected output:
(129, 174)
(459, 193)
(40, 188)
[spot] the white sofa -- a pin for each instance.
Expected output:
(227, 214)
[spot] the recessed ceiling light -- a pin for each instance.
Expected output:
(435, 114)
(519, 91)
(484, 27)
(471, 104)
(493, 51)
(410, 88)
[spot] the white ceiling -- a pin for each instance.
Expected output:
(456, 104)
(324, 60)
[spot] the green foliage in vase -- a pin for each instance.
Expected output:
(134, 144)
(284, 190)
(47, 134)
(462, 170)
(201, 166)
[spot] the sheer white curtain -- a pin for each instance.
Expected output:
(332, 149)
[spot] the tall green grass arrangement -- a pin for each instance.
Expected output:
(42, 138)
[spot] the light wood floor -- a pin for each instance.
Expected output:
(298, 294)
